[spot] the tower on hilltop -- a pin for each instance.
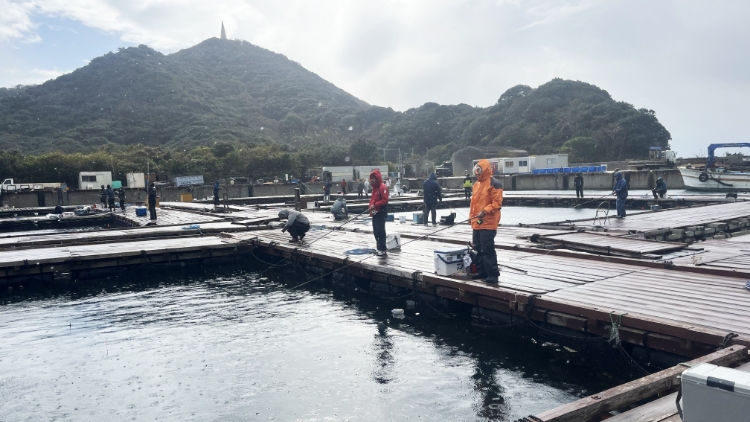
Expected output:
(223, 32)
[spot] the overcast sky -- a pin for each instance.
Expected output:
(686, 60)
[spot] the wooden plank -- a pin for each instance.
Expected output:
(588, 408)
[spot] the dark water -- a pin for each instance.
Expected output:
(223, 343)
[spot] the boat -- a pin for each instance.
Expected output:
(732, 175)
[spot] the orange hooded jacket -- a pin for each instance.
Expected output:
(487, 196)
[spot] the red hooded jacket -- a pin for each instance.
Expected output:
(379, 198)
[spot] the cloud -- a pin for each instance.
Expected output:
(15, 21)
(32, 77)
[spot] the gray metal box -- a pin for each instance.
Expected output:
(713, 393)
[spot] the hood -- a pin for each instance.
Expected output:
(432, 176)
(659, 179)
(284, 214)
(486, 170)
(376, 174)
(618, 176)
(340, 199)
(216, 184)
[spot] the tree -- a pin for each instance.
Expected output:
(363, 152)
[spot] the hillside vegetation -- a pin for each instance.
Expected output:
(245, 98)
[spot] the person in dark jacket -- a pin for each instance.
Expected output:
(216, 193)
(378, 209)
(296, 223)
(621, 190)
(578, 183)
(339, 209)
(660, 190)
(121, 198)
(360, 189)
(152, 201)
(103, 197)
(110, 198)
(327, 191)
(432, 194)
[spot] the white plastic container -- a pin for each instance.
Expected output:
(402, 219)
(393, 241)
(713, 393)
(450, 261)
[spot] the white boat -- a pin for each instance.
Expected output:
(715, 179)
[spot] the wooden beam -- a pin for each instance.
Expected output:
(588, 408)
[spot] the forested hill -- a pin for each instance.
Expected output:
(233, 91)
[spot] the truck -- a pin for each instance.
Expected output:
(9, 185)
(444, 170)
(656, 159)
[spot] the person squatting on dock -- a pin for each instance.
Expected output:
(110, 198)
(121, 198)
(467, 186)
(297, 224)
(486, 201)
(578, 183)
(660, 190)
(432, 193)
(327, 191)
(378, 209)
(152, 201)
(338, 209)
(621, 190)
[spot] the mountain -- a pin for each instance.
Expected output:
(221, 90)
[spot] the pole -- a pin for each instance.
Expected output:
(296, 199)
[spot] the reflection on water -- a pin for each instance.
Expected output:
(222, 343)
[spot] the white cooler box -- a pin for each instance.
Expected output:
(713, 393)
(449, 262)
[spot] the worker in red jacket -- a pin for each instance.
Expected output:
(378, 209)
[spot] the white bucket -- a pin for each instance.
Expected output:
(402, 219)
(393, 241)
(449, 262)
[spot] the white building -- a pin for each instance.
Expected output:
(548, 161)
(94, 179)
(515, 165)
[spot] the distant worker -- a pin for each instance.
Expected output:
(103, 197)
(343, 186)
(296, 223)
(360, 189)
(327, 191)
(378, 209)
(467, 187)
(614, 178)
(110, 198)
(578, 183)
(486, 202)
(432, 194)
(339, 209)
(660, 190)
(621, 190)
(59, 209)
(152, 201)
(121, 198)
(217, 188)
(367, 186)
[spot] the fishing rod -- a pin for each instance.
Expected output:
(595, 199)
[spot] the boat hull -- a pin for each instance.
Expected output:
(730, 181)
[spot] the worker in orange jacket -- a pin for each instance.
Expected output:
(486, 201)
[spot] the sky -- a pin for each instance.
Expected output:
(686, 60)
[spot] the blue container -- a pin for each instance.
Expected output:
(567, 170)
(140, 211)
(592, 169)
(418, 217)
(390, 217)
(576, 169)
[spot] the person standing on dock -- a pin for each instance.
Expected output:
(103, 197)
(327, 191)
(152, 201)
(216, 194)
(621, 190)
(343, 186)
(297, 224)
(121, 198)
(578, 183)
(378, 209)
(467, 187)
(360, 189)
(432, 193)
(486, 201)
(660, 190)
(110, 198)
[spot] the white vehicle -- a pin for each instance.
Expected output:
(10, 185)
